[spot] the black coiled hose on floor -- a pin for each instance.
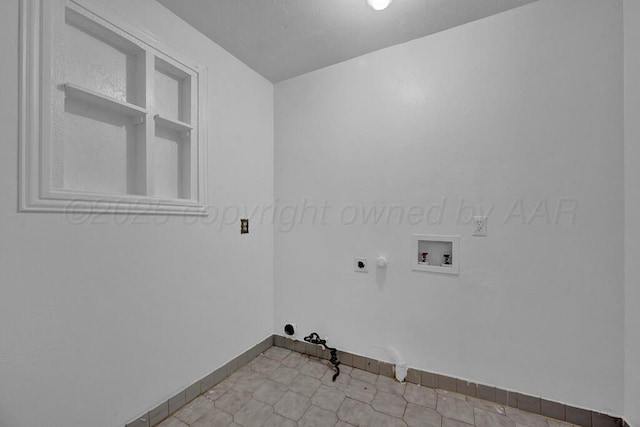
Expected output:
(314, 338)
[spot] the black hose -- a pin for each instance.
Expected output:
(314, 338)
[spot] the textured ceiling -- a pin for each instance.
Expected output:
(281, 39)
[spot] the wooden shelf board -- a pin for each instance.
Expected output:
(172, 124)
(89, 96)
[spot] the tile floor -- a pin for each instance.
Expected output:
(281, 388)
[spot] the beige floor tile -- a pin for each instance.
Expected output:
(384, 420)
(214, 417)
(454, 408)
(487, 406)
(295, 360)
(448, 422)
(390, 404)
(364, 376)
(250, 381)
(292, 405)
(318, 417)
(341, 382)
(451, 394)
(354, 412)
(284, 374)
(492, 419)
(172, 422)
(329, 398)
(277, 420)
(390, 385)
(283, 388)
(269, 392)
(194, 410)
(239, 373)
(314, 369)
(253, 414)
(344, 369)
(556, 423)
(219, 390)
(526, 419)
(419, 395)
(264, 365)
(233, 400)
(421, 416)
(277, 353)
(361, 391)
(304, 385)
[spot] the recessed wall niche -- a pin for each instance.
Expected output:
(104, 105)
(437, 254)
(111, 119)
(172, 131)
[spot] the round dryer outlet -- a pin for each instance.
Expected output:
(290, 329)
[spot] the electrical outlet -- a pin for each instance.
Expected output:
(479, 225)
(360, 265)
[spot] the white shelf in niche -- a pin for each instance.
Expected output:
(175, 125)
(437, 246)
(97, 99)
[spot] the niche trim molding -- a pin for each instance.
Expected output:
(44, 92)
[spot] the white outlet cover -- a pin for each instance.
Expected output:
(356, 265)
(479, 225)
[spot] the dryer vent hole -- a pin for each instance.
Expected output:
(289, 329)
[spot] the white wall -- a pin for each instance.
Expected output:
(99, 321)
(632, 210)
(526, 105)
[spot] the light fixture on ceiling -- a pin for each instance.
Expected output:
(379, 4)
